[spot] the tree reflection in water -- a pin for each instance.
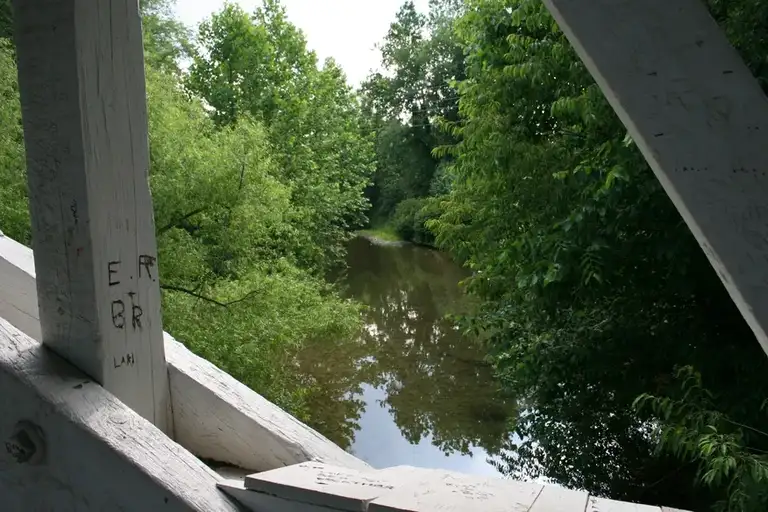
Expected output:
(435, 379)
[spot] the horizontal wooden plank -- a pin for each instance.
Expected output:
(606, 505)
(219, 418)
(322, 485)
(94, 452)
(214, 415)
(554, 498)
(18, 291)
(259, 502)
(433, 490)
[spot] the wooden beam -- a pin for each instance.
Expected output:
(323, 487)
(214, 416)
(81, 76)
(68, 444)
(700, 119)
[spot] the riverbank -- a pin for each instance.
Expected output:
(382, 236)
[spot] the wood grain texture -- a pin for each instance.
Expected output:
(554, 498)
(700, 119)
(219, 418)
(322, 485)
(81, 79)
(605, 505)
(215, 416)
(98, 453)
(18, 295)
(259, 502)
(432, 490)
(410, 489)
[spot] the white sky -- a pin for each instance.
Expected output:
(346, 30)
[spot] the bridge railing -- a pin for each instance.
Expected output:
(215, 417)
(72, 445)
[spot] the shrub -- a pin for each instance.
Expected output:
(411, 216)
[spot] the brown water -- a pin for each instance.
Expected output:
(413, 390)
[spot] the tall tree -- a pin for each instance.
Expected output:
(422, 59)
(258, 66)
(14, 213)
(166, 40)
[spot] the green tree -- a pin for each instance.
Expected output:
(593, 289)
(259, 66)
(422, 59)
(166, 40)
(6, 19)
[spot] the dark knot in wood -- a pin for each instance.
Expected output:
(27, 443)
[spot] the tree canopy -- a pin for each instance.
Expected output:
(258, 66)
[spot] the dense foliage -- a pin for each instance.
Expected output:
(593, 289)
(239, 233)
(259, 67)
(421, 58)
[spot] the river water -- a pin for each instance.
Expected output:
(413, 390)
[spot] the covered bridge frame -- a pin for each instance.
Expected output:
(110, 413)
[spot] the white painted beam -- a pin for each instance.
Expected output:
(700, 119)
(81, 78)
(215, 416)
(67, 444)
(219, 418)
(323, 487)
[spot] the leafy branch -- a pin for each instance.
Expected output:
(177, 222)
(200, 296)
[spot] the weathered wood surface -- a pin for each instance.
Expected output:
(700, 119)
(91, 451)
(219, 418)
(321, 487)
(604, 505)
(559, 499)
(446, 491)
(215, 416)
(81, 79)
(18, 295)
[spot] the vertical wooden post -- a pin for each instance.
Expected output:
(700, 119)
(81, 75)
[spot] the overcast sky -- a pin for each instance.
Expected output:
(346, 30)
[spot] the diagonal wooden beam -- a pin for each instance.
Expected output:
(81, 76)
(700, 119)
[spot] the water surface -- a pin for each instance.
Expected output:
(413, 390)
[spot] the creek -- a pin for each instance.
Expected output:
(414, 390)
